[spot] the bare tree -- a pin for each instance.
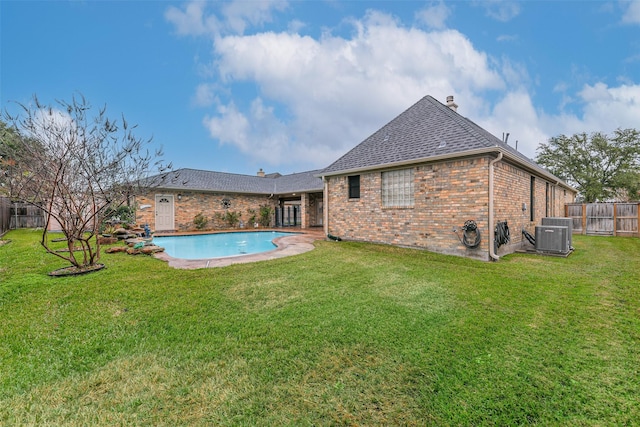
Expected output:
(75, 163)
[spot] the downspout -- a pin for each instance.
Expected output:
(492, 233)
(325, 210)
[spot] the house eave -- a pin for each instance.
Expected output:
(451, 156)
(436, 158)
(537, 170)
(227, 191)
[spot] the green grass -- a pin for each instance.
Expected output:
(347, 334)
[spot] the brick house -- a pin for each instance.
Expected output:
(174, 202)
(417, 180)
(413, 183)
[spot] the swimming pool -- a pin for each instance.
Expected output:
(219, 245)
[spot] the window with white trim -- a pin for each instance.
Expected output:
(397, 188)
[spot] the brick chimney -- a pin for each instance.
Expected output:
(261, 173)
(452, 104)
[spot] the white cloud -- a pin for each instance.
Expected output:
(434, 16)
(229, 125)
(235, 16)
(603, 109)
(501, 10)
(632, 14)
(319, 97)
(240, 14)
(339, 90)
(296, 25)
(607, 108)
(205, 95)
(515, 74)
(507, 38)
(258, 133)
(192, 21)
(516, 115)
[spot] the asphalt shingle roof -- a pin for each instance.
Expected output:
(426, 129)
(201, 180)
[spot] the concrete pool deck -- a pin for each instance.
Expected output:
(295, 244)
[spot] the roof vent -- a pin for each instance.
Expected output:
(452, 104)
(443, 143)
(261, 173)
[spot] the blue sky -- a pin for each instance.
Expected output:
(290, 86)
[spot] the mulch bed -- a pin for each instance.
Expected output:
(75, 271)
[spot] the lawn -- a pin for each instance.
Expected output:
(347, 334)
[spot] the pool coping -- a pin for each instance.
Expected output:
(298, 243)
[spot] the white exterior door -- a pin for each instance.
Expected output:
(164, 213)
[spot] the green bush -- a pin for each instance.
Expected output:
(252, 218)
(265, 215)
(229, 218)
(200, 221)
(123, 215)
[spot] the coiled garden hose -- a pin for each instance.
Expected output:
(502, 236)
(529, 237)
(471, 236)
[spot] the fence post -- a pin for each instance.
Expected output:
(584, 218)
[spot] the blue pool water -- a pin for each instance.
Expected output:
(218, 245)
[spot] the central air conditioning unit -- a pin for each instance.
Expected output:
(562, 222)
(552, 239)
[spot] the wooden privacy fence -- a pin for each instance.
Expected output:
(604, 219)
(5, 215)
(19, 215)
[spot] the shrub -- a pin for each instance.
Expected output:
(229, 218)
(200, 221)
(121, 215)
(252, 218)
(265, 215)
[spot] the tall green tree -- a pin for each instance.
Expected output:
(600, 166)
(10, 140)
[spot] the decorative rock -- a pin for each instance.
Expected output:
(151, 249)
(107, 240)
(136, 250)
(138, 240)
(121, 231)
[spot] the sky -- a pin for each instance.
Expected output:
(290, 86)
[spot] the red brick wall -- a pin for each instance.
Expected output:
(446, 195)
(308, 204)
(512, 188)
(193, 203)
(511, 192)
